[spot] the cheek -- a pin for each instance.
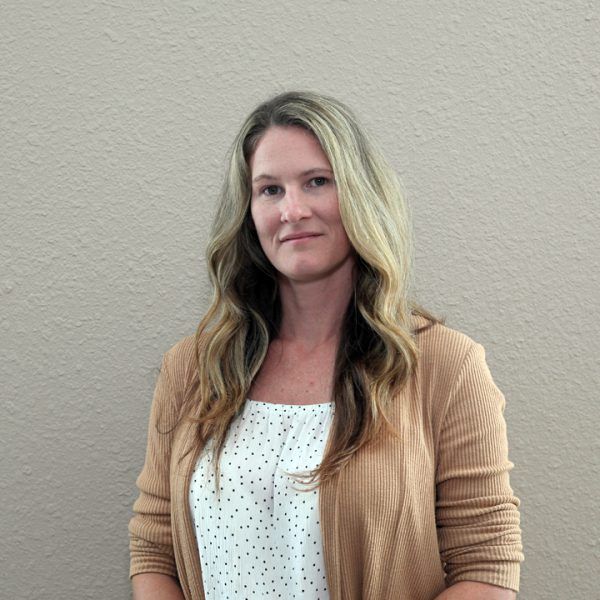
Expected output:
(342, 236)
(264, 222)
(334, 218)
(332, 210)
(256, 218)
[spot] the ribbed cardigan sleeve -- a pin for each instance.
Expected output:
(476, 511)
(150, 540)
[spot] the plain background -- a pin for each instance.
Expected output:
(116, 119)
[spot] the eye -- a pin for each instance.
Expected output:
(270, 190)
(319, 181)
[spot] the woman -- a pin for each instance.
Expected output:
(321, 436)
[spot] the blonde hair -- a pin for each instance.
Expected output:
(377, 352)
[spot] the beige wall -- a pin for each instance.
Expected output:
(115, 120)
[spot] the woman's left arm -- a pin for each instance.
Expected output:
(473, 590)
(476, 511)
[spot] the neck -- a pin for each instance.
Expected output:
(313, 312)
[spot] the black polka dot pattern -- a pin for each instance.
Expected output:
(261, 537)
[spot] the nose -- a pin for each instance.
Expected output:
(294, 207)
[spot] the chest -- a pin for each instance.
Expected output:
(293, 378)
(385, 493)
(257, 516)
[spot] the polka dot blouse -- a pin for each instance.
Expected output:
(260, 538)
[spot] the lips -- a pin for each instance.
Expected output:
(299, 236)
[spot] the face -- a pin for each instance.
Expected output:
(295, 207)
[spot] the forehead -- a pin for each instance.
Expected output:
(282, 147)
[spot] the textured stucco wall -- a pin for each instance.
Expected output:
(115, 120)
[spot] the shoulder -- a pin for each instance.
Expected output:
(180, 362)
(452, 370)
(443, 352)
(439, 343)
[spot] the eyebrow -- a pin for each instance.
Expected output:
(303, 174)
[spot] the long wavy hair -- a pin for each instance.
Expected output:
(377, 352)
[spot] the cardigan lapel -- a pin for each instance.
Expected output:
(184, 537)
(328, 516)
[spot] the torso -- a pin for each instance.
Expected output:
(290, 376)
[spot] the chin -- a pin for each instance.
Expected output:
(306, 273)
(308, 276)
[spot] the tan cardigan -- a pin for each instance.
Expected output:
(403, 520)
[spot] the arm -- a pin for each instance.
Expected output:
(150, 541)
(155, 586)
(472, 590)
(476, 511)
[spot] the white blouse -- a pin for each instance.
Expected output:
(261, 537)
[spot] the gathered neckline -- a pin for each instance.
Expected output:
(290, 405)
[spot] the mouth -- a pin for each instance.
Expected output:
(296, 237)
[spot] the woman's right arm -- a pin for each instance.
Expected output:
(153, 569)
(155, 586)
